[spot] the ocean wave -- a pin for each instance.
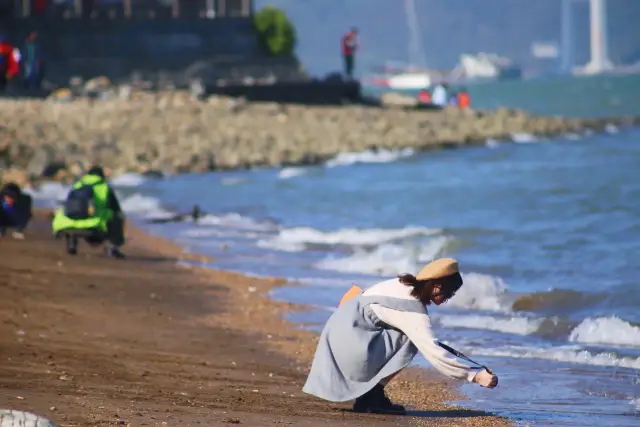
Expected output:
(482, 292)
(299, 238)
(237, 221)
(606, 330)
(49, 194)
(518, 325)
(523, 138)
(387, 259)
(369, 156)
(127, 180)
(286, 173)
(567, 354)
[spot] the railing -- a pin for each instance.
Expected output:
(132, 9)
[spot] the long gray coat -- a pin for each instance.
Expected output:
(357, 350)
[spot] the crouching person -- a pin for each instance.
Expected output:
(92, 212)
(15, 210)
(372, 336)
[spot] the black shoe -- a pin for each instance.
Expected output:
(375, 401)
(72, 245)
(116, 253)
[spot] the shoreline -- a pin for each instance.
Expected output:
(408, 388)
(102, 338)
(171, 133)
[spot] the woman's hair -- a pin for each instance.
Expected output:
(449, 283)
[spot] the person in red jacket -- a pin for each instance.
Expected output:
(349, 48)
(8, 64)
(464, 100)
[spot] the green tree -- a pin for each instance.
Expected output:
(276, 34)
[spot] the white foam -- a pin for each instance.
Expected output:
(209, 233)
(127, 180)
(369, 156)
(325, 282)
(482, 292)
(611, 128)
(287, 173)
(572, 136)
(146, 206)
(236, 220)
(387, 259)
(295, 239)
(49, 193)
(568, 354)
(523, 138)
(635, 403)
(606, 330)
(517, 325)
(492, 143)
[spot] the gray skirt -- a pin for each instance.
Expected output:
(357, 350)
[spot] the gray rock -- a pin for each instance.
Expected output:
(14, 418)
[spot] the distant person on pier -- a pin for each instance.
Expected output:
(9, 67)
(424, 97)
(440, 96)
(349, 48)
(32, 62)
(464, 99)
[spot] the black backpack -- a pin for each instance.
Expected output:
(80, 203)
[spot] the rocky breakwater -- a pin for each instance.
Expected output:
(174, 132)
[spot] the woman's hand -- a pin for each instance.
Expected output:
(486, 379)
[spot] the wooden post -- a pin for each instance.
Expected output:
(127, 8)
(26, 8)
(222, 9)
(78, 8)
(210, 12)
(175, 10)
(246, 8)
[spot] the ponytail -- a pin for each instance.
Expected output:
(450, 283)
(417, 285)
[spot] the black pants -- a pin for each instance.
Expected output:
(114, 235)
(349, 62)
(115, 231)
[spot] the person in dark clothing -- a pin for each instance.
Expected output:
(92, 211)
(115, 225)
(32, 60)
(15, 210)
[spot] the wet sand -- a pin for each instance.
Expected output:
(92, 341)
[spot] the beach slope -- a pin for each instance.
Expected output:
(91, 341)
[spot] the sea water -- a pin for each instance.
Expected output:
(546, 232)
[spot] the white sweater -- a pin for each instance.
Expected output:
(417, 326)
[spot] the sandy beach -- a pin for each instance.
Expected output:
(91, 341)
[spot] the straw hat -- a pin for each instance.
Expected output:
(439, 268)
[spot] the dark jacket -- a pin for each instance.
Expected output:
(20, 213)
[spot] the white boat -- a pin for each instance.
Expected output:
(485, 66)
(399, 76)
(412, 76)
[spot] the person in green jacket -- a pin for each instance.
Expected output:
(92, 211)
